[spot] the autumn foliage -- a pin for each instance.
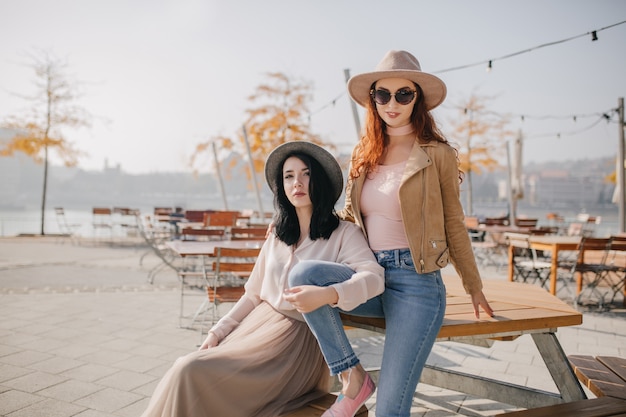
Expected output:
(278, 113)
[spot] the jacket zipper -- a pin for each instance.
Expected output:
(422, 263)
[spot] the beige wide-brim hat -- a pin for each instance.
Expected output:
(398, 64)
(328, 162)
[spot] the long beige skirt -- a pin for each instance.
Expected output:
(267, 366)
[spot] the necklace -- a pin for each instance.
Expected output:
(400, 131)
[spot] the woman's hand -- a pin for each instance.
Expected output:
(478, 299)
(307, 298)
(209, 342)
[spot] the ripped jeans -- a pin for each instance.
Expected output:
(413, 306)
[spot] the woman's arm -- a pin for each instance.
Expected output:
(229, 322)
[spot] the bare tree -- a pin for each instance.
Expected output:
(51, 109)
(482, 135)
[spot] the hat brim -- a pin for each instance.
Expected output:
(433, 88)
(328, 162)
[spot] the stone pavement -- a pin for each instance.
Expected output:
(83, 334)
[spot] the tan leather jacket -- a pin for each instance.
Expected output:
(431, 212)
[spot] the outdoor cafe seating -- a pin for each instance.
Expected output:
(208, 249)
(593, 277)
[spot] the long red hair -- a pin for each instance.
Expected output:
(371, 147)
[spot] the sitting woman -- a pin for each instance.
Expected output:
(261, 358)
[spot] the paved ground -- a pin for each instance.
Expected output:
(83, 334)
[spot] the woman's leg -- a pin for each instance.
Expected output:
(325, 322)
(414, 306)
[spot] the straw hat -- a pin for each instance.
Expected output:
(277, 157)
(398, 64)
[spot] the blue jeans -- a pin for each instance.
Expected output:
(413, 306)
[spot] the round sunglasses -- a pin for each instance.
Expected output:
(403, 96)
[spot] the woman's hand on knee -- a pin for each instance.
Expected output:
(209, 342)
(307, 298)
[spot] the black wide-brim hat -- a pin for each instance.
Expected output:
(277, 157)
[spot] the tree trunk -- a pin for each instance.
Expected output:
(45, 188)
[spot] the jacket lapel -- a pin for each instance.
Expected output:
(418, 160)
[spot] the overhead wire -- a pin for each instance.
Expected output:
(574, 117)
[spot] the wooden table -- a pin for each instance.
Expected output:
(553, 244)
(186, 248)
(520, 309)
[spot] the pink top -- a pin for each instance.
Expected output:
(380, 207)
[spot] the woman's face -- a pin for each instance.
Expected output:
(296, 176)
(393, 113)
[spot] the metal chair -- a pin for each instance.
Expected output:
(615, 278)
(66, 229)
(231, 268)
(527, 265)
(155, 238)
(590, 269)
(102, 221)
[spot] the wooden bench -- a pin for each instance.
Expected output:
(597, 407)
(605, 376)
(316, 408)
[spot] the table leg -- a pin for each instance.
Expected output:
(554, 271)
(511, 266)
(557, 363)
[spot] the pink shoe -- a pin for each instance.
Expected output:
(347, 407)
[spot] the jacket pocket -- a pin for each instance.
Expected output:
(438, 249)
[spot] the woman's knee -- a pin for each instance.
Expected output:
(320, 273)
(304, 273)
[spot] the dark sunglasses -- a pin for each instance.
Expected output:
(403, 96)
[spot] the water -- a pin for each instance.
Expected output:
(14, 223)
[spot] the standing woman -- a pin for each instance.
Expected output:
(261, 358)
(403, 190)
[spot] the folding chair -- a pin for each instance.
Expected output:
(102, 221)
(189, 233)
(591, 268)
(231, 268)
(155, 238)
(125, 219)
(526, 222)
(248, 233)
(616, 268)
(224, 220)
(66, 229)
(527, 265)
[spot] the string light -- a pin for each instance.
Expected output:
(489, 62)
(594, 37)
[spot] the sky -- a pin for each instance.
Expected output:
(161, 76)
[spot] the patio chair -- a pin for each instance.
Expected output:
(155, 238)
(616, 268)
(590, 269)
(528, 266)
(66, 229)
(231, 268)
(248, 233)
(190, 233)
(102, 221)
(526, 222)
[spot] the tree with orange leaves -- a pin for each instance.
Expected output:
(279, 114)
(39, 129)
(482, 135)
